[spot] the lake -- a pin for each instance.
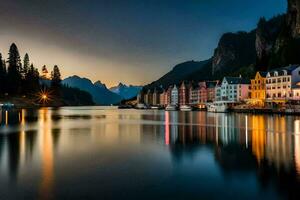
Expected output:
(106, 153)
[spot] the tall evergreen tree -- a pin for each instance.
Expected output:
(14, 70)
(26, 65)
(32, 79)
(56, 80)
(45, 72)
(2, 76)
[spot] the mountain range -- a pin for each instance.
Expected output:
(100, 93)
(125, 91)
(273, 43)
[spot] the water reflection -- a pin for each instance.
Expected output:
(266, 143)
(34, 142)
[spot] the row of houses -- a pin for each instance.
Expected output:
(186, 93)
(276, 86)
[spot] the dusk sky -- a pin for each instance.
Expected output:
(133, 42)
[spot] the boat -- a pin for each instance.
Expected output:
(124, 106)
(7, 105)
(141, 106)
(155, 107)
(218, 106)
(185, 108)
(171, 108)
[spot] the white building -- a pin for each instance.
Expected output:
(232, 89)
(174, 96)
(280, 83)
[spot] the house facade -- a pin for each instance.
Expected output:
(258, 89)
(194, 95)
(184, 94)
(280, 83)
(210, 90)
(174, 96)
(233, 89)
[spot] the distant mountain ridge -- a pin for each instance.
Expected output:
(101, 95)
(125, 91)
(180, 72)
(273, 43)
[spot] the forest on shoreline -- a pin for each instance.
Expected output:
(21, 81)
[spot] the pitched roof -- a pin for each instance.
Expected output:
(237, 80)
(281, 70)
(211, 84)
(263, 74)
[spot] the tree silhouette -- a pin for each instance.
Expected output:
(2, 75)
(14, 70)
(26, 65)
(45, 72)
(56, 80)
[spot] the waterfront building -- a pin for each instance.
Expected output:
(202, 93)
(168, 95)
(148, 97)
(218, 90)
(140, 97)
(210, 90)
(174, 96)
(184, 94)
(233, 89)
(162, 100)
(281, 82)
(194, 94)
(258, 89)
(296, 92)
(155, 97)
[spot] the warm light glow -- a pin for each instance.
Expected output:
(44, 96)
(167, 128)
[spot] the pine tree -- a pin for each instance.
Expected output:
(2, 75)
(56, 80)
(45, 72)
(33, 76)
(14, 70)
(26, 65)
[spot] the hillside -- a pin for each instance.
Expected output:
(126, 91)
(101, 95)
(180, 72)
(273, 43)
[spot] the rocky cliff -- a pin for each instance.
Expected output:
(235, 50)
(293, 17)
(273, 43)
(267, 33)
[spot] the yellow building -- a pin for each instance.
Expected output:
(258, 89)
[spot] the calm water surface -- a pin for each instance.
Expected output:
(105, 153)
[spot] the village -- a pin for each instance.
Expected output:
(275, 91)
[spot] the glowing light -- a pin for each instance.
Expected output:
(167, 128)
(44, 96)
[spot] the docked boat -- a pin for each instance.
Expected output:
(220, 106)
(141, 106)
(171, 108)
(124, 106)
(7, 106)
(156, 107)
(185, 108)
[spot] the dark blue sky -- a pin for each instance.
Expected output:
(130, 41)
